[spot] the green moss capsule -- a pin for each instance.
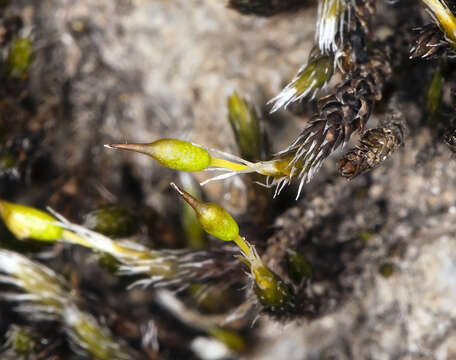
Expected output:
(26, 222)
(214, 219)
(172, 153)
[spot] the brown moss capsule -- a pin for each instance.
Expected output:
(376, 145)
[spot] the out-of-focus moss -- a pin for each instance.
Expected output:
(212, 299)
(298, 267)
(434, 93)
(96, 340)
(246, 127)
(108, 262)
(20, 341)
(230, 338)
(20, 57)
(387, 270)
(8, 163)
(365, 235)
(115, 221)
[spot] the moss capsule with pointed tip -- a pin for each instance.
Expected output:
(172, 153)
(26, 222)
(276, 295)
(214, 219)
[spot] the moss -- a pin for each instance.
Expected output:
(115, 221)
(21, 341)
(299, 268)
(20, 57)
(230, 338)
(434, 93)
(387, 270)
(276, 296)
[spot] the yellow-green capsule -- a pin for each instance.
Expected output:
(214, 219)
(172, 153)
(26, 222)
(20, 57)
